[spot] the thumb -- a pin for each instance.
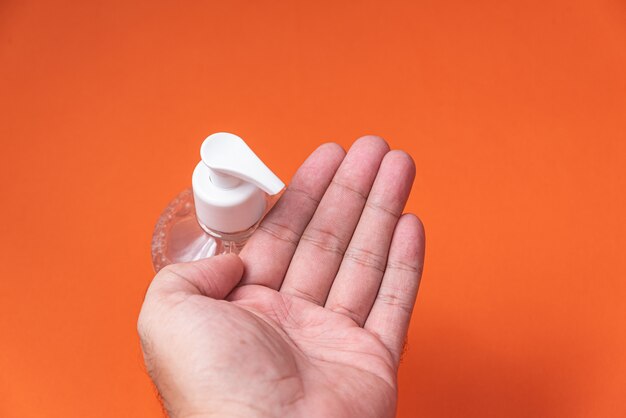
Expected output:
(214, 277)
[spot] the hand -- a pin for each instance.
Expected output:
(311, 319)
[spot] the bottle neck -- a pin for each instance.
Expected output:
(232, 242)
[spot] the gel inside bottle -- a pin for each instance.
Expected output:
(231, 192)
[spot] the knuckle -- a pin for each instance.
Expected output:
(168, 271)
(303, 193)
(305, 295)
(325, 239)
(345, 187)
(366, 258)
(346, 311)
(172, 276)
(403, 266)
(280, 231)
(396, 302)
(382, 209)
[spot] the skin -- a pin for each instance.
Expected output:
(310, 320)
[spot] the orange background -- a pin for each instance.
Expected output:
(515, 113)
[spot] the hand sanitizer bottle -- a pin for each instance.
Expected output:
(231, 192)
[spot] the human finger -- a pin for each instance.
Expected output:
(269, 251)
(326, 237)
(214, 277)
(391, 312)
(357, 282)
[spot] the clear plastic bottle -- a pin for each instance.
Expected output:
(233, 189)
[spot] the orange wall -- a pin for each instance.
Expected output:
(515, 113)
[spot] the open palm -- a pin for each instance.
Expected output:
(312, 318)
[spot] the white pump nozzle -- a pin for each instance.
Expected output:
(229, 158)
(229, 182)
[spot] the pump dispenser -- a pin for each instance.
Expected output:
(231, 192)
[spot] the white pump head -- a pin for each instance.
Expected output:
(230, 183)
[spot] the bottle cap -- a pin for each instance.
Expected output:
(230, 184)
